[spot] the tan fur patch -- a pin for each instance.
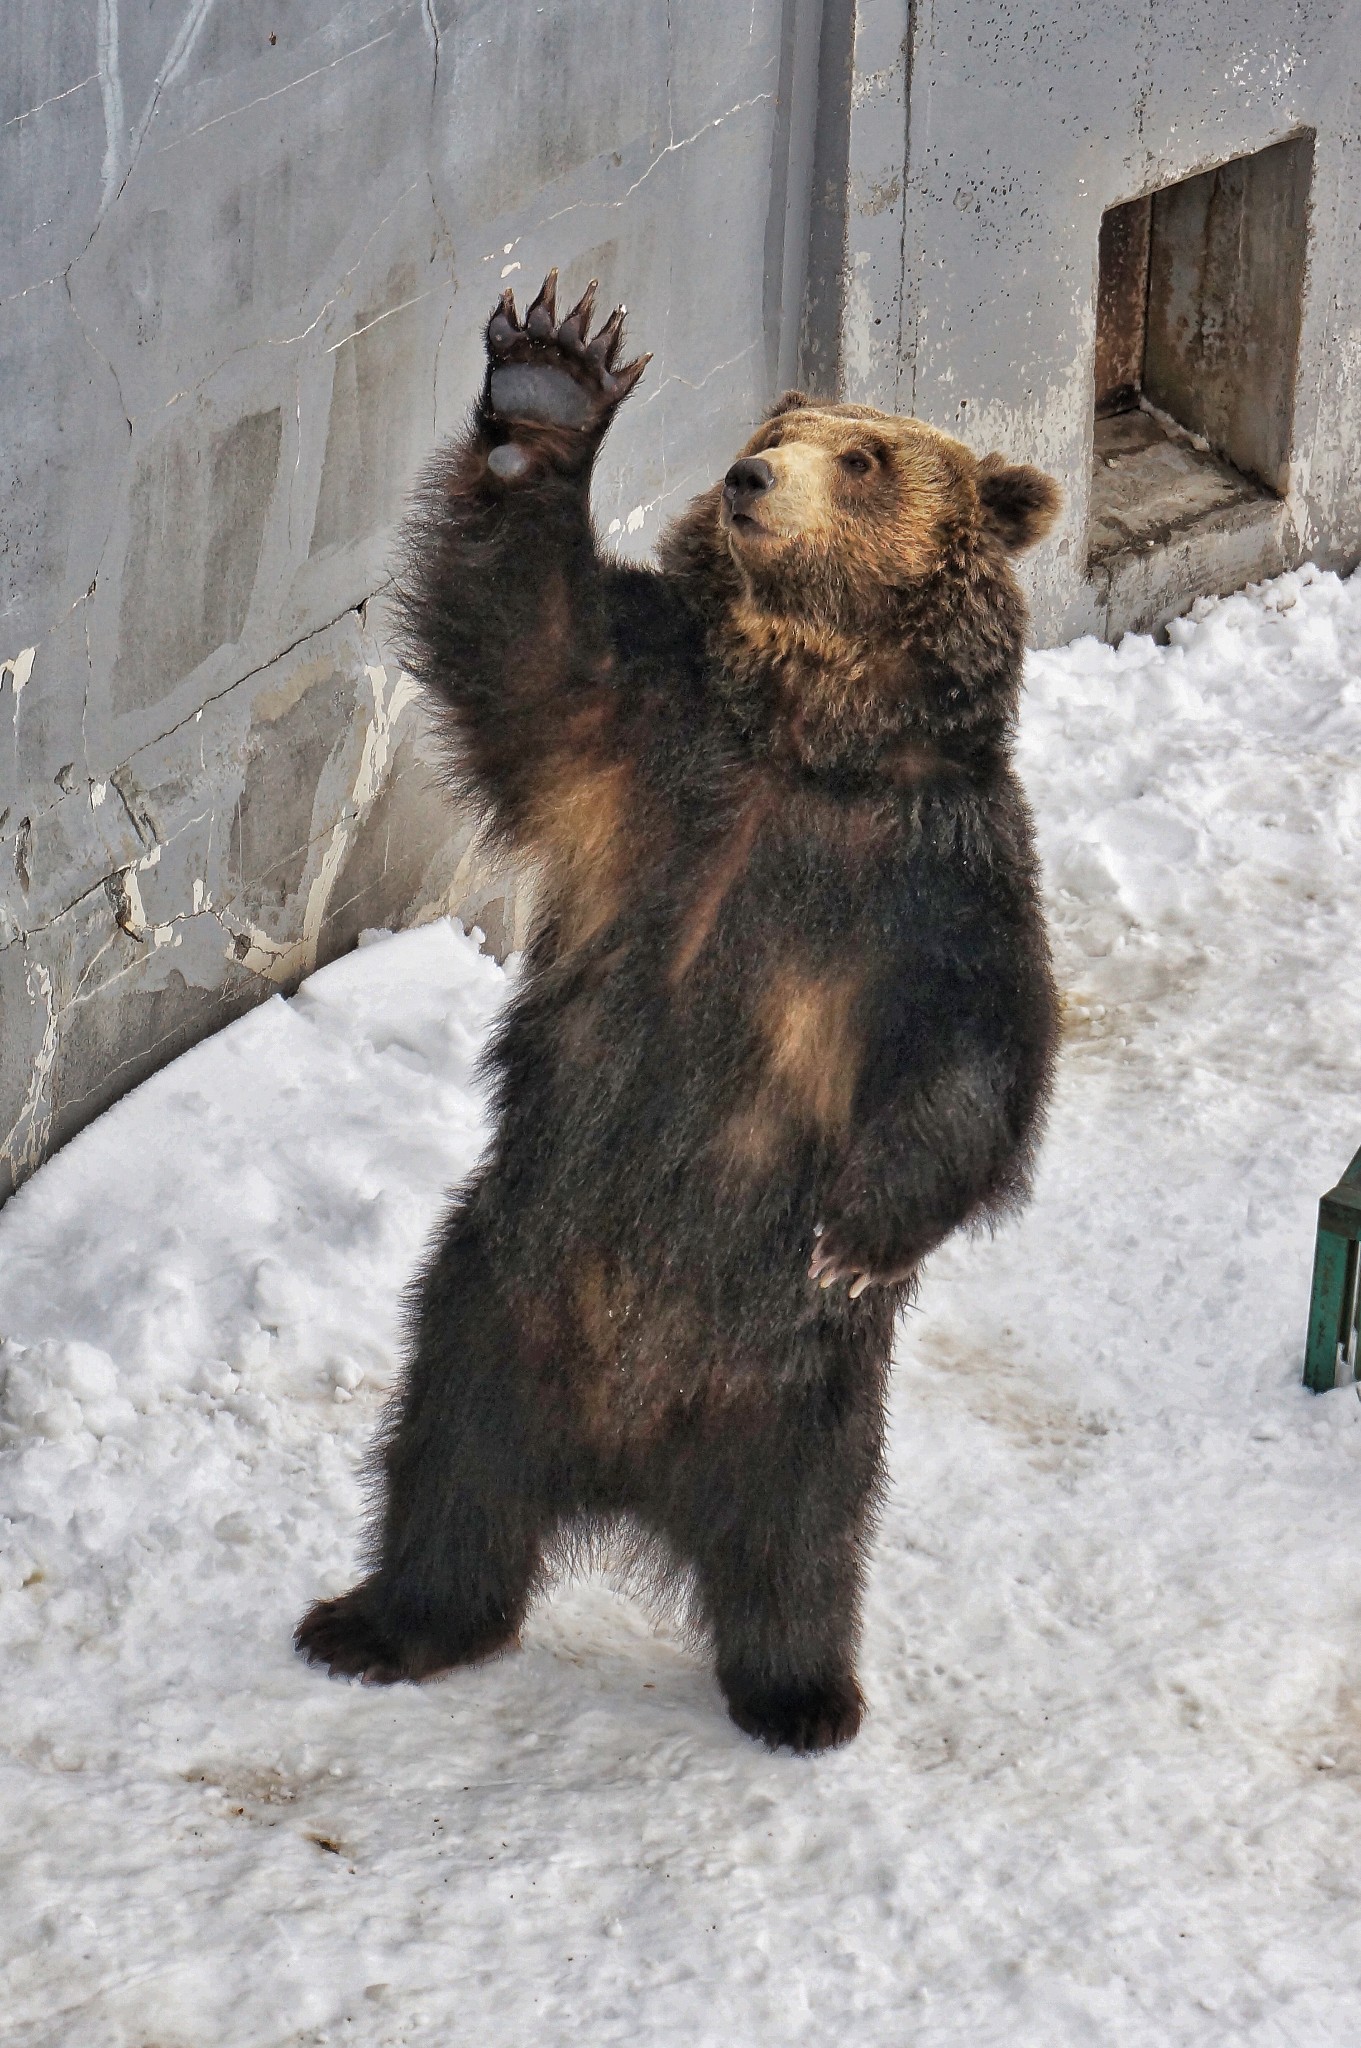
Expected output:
(808, 1023)
(576, 826)
(748, 1143)
(916, 761)
(591, 1298)
(630, 1385)
(595, 1386)
(811, 1054)
(729, 863)
(780, 636)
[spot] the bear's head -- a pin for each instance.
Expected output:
(832, 508)
(863, 560)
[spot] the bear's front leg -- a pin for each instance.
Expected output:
(506, 611)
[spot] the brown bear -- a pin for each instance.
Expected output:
(785, 1020)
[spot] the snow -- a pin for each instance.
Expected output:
(1108, 1791)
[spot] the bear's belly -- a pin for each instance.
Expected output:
(690, 1131)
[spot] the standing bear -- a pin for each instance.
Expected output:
(785, 1020)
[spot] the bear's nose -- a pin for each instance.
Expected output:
(747, 481)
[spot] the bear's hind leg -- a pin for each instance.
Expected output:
(785, 1625)
(464, 1518)
(777, 1527)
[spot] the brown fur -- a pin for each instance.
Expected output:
(627, 1385)
(832, 618)
(882, 529)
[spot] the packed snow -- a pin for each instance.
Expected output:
(1109, 1790)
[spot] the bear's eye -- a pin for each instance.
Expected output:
(857, 462)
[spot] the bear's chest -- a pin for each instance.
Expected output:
(782, 874)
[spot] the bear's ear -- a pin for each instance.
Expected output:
(788, 401)
(1020, 504)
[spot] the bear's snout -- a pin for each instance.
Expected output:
(746, 483)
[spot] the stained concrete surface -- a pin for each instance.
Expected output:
(1226, 273)
(1169, 521)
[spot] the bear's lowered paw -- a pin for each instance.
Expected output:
(546, 373)
(838, 1256)
(798, 1714)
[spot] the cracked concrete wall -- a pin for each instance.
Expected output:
(967, 150)
(245, 256)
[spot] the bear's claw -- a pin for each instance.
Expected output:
(572, 329)
(541, 319)
(833, 1261)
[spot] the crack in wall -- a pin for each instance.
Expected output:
(23, 1158)
(234, 113)
(28, 113)
(111, 91)
(40, 810)
(145, 1054)
(312, 633)
(288, 962)
(249, 949)
(288, 340)
(909, 69)
(246, 348)
(686, 141)
(698, 383)
(432, 23)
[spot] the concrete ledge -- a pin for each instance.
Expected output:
(1140, 589)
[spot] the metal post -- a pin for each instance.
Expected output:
(1336, 1299)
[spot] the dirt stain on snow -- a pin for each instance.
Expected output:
(997, 1390)
(250, 1793)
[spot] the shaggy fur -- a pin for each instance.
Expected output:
(786, 1019)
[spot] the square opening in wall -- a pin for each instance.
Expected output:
(1197, 333)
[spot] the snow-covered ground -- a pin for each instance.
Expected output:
(1110, 1787)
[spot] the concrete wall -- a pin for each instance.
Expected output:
(984, 140)
(248, 250)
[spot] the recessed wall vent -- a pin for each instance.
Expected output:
(1197, 335)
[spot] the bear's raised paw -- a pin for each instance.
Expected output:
(545, 372)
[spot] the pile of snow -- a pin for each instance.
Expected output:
(1109, 1788)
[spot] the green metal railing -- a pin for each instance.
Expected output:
(1330, 1355)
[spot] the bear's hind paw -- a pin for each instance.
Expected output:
(343, 1636)
(349, 1639)
(799, 1715)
